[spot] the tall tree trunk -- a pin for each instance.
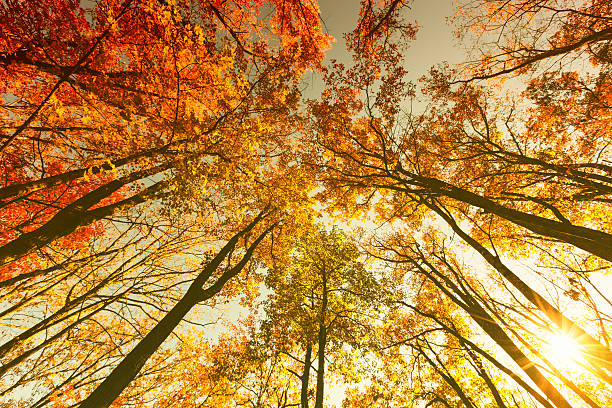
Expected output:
(495, 332)
(596, 242)
(306, 377)
(104, 395)
(75, 215)
(322, 340)
(599, 354)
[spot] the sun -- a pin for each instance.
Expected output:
(562, 350)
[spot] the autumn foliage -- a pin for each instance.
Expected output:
(181, 227)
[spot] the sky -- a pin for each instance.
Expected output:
(434, 42)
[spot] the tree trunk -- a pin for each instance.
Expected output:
(72, 175)
(596, 242)
(306, 377)
(75, 215)
(104, 395)
(598, 354)
(443, 372)
(496, 333)
(322, 340)
(501, 367)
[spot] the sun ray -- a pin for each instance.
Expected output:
(562, 350)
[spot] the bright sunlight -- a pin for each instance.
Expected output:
(562, 350)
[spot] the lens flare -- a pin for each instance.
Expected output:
(562, 350)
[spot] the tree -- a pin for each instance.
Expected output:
(443, 276)
(524, 179)
(323, 299)
(114, 108)
(158, 161)
(124, 116)
(529, 32)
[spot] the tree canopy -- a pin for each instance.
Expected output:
(182, 226)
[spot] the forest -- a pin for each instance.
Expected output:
(185, 222)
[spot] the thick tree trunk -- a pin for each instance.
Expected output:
(486, 322)
(75, 215)
(104, 395)
(306, 377)
(596, 242)
(129, 367)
